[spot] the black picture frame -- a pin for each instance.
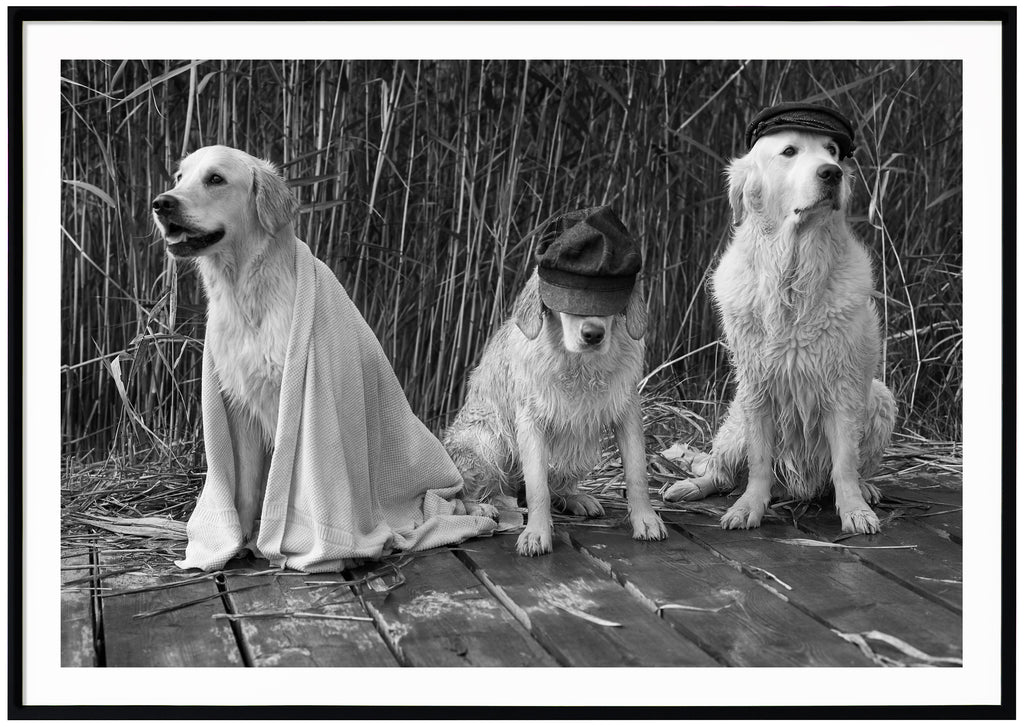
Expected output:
(17, 17)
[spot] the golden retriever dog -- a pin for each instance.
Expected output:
(546, 386)
(795, 293)
(232, 214)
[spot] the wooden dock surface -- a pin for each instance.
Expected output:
(781, 595)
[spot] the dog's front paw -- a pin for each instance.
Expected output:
(695, 488)
(482, 509)
(745, 514)
(647, 525)
(861, 520)
(682, 491)
(585, 505)
(871, 494)
(534, 541)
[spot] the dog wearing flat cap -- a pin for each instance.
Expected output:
(795, 294)
(552, 378)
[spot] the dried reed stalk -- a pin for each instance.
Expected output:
(427, 186)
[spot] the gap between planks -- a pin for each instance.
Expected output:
(936, 628)
(79, 629)
(712, 604)
(236, 628)
(533, 589)
(890, 563)
(298, 640)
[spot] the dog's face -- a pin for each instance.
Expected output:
(221, 198)
(578, 334)
(586, 334)
(789, 176)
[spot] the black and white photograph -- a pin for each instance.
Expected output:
(540, 360)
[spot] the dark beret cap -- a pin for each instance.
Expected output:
(591, 267)
(803, 117)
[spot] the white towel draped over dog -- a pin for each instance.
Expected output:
(354, 473)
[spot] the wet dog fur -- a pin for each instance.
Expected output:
(795, 293)
(535, 410)
(232, 214)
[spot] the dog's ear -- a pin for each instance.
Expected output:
(528, 310)
(846, 187)
(636, 313)
(275, 204)
(737, 173)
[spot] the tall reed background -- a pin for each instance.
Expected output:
(426, 186)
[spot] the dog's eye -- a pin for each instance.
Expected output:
(177, 177)
(833, 149)
(215, 179)
(789, 151)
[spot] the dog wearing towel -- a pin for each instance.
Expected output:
(553, 377)
(315, 459)
(795, 293)
(232, 214)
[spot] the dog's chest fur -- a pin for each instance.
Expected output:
(784, 325)
(573, 397)
(248, 329)
(803, 341)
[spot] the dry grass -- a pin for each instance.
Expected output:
(140, 508)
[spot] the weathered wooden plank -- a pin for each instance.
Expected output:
(832, 585)
(304, 641)
(547, 594)
(938, 506)
(933, 567)
(938, 493)
(947, 523)
(727, 613)
(441, 615)
(77, 633)
(187, 636)
(944, 483)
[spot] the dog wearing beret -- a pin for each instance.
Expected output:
(795, 294)
(553, 377)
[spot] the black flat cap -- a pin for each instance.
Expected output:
(814, 118)
(591, 267)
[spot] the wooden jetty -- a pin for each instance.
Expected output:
(793, 593)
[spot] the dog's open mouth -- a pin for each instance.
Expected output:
(185, 241)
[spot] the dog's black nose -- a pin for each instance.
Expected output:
(165, 204)
(592, 333)
(830, 173)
